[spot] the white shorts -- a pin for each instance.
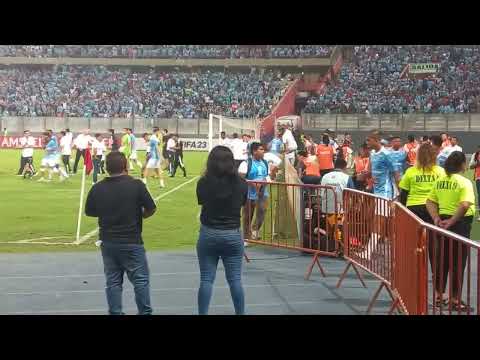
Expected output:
(153, 164)
(49, 162)
(133, 156)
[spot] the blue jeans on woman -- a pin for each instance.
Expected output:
(212, 245)
(129, 258)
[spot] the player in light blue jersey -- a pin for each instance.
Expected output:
(381, 167)
(276, 145)
(153, 162)
(51, 159)
(398, 158)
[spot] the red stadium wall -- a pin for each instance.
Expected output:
(286, 106)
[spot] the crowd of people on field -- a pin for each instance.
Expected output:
(164, 151)
(424, 174)
(96, 91)
(168, 51)
(374, 82)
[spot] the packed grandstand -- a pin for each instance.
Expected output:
(372, 80)
(169, 51)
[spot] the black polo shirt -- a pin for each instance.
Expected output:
(221, 203)
(118, 203)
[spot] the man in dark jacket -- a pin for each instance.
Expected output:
(121, 203)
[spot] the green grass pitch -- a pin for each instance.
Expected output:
(42, 216)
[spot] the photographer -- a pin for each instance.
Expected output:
(475, 166)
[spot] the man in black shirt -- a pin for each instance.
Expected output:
(178, 157)
(120, 203)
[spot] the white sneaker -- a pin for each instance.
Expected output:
(245, 244)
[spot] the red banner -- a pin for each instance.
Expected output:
(13, 142)
(286, 106)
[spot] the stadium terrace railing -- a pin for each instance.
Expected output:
(249, 62)
(393, 122)
(396, 247)
(198, 127)
(296, 217)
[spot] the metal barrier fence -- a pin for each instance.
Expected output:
(17, 124)
(408, 269)
(451, 257)
(388, 241)
(368, 241)
(293, 216)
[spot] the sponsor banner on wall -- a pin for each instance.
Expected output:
(13, 142)
(424, 68)
(189, 144)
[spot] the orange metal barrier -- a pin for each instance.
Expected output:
(453, 259)
(293, 216)
(368, 240)
(408, 267)
(413, 260)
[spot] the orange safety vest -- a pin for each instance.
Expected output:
(411, 150)
(311, 166)
(361, 164)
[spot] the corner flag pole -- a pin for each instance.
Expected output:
(80, 207)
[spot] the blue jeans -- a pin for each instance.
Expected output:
(129, 258)
(212, 245)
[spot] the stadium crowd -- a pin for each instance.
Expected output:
(373, 82)
(95, 91)
(168, 51)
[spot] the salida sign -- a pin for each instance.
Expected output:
(13, 142)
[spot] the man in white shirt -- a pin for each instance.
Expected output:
(289, 143)
(81, 143)
(171, 149)
(98, 151)
(455, 146)
(27, 142)
(447, 150)
(223, 140)
(237, 147)
(66, 150)
(274, 163)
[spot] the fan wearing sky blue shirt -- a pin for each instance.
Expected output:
(255, 169)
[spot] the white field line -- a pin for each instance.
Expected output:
(40, 241)
(94, 232)
(102, 291)
(156, 308)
